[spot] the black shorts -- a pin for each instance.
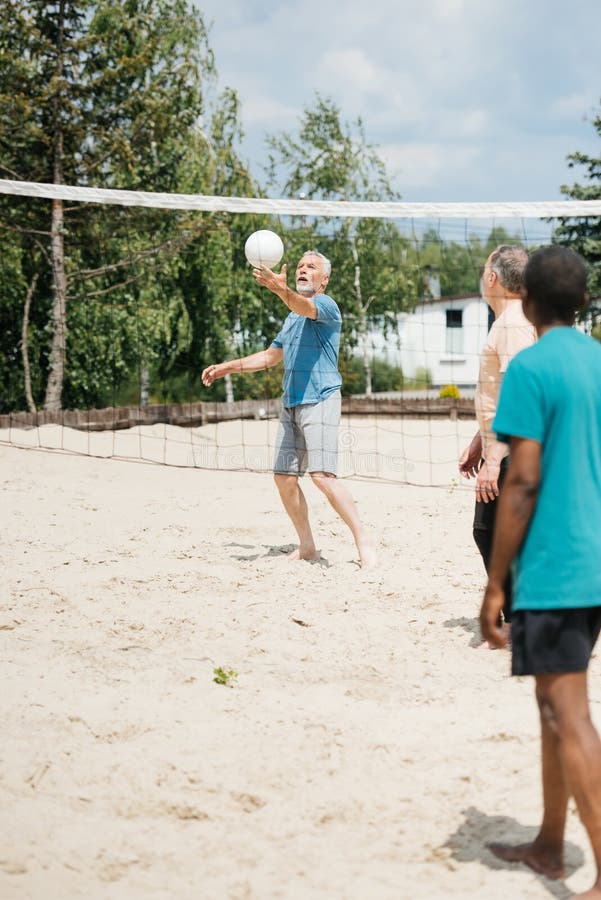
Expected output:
(549, 641)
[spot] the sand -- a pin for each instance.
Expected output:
(414, 451)
(363, 747)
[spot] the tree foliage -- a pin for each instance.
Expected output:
(97, 301)
(584, 234)
(457, 266)
(331, 160)
(106, 93)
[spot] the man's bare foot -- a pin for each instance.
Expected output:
(593, 894)
(545, 862)
(368, 558)
(304, 553)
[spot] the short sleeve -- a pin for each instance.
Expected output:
(327, 309)
(521, 410)
(278, 340)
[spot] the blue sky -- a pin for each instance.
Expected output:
(465, 99)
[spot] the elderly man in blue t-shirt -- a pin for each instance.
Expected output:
(549, 525)
(307, 438)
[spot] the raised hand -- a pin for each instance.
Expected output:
(274, 282)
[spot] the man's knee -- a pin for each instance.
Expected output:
(286, 484)
(563, 718)
(548, 712)
(325, 481)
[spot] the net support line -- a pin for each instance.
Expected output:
(297, 207)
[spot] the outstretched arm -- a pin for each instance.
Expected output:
(516, 508)
(256, 362)
(277, 285)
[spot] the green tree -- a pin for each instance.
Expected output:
(458, 265)
(109, 94)
(225, 311)
(332, 160)
(584, 234)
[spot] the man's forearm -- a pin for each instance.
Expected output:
(496, 451)
(296, 302)
(264, 359)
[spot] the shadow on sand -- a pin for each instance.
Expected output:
(277, 551)
(472, 626)
(469, 844)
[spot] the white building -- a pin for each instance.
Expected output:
(443, 335)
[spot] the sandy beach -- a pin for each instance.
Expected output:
(363, 747)
(397, 450)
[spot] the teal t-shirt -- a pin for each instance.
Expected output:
(311, 353)
(551, 393)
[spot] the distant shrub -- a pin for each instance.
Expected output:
(450, 390)
(384, 376)
(422, 378)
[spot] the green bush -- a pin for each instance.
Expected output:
(181, 387)
(384, 377)
(421, 379)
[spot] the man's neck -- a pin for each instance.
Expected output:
(544, 327)
(500, 304)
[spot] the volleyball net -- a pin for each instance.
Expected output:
(112, 303)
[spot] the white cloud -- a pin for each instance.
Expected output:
(427, 164)
(469, 123)
(361, 86)
(350, 66)
(573, 105)
(442, 85)
(388, 98)
(264, 110)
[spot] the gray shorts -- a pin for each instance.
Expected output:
(307, 439)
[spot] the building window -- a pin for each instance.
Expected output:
(454, 331)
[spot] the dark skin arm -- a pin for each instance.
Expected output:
(516, 508)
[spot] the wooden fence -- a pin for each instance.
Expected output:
(202, 413)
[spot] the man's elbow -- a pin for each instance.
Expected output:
(273, 357)
(524, 482)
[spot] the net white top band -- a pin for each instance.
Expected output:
(296, 207)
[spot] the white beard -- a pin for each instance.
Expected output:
(304, 288)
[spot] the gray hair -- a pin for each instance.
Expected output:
(327, 265)
(509, 264)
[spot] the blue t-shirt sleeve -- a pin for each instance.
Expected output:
(520, 412)
(327, 309)
(278, 340)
